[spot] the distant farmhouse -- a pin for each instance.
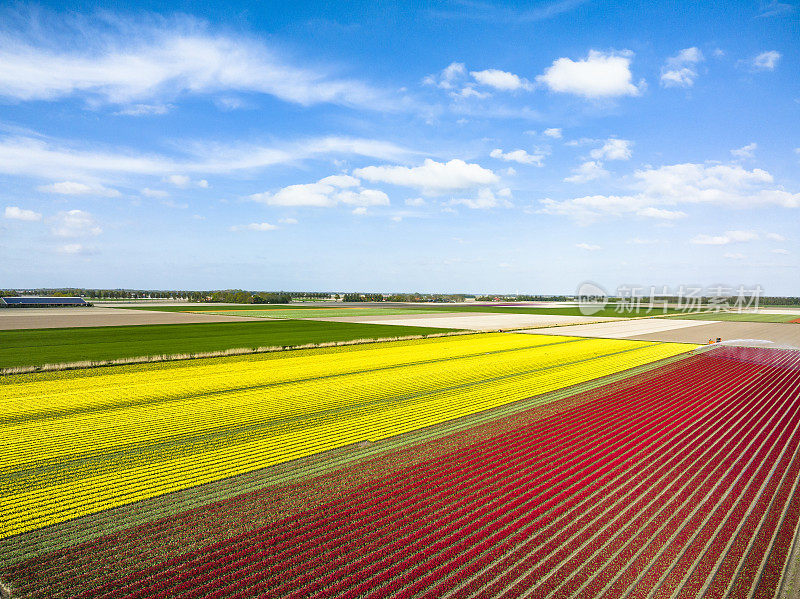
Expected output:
(42, 302)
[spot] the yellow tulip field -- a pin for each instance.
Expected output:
(79, 442)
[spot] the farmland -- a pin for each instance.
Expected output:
(308, 312)
(745, 317)
(411, 308)
(482, 464)
(156, 438)
(680, 481)
(54, 346)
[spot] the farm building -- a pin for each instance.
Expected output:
(42, 302)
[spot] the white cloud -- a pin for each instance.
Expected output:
(651, 212)
(775, 237)
(766, 61)
(485, 199)
(599, 75)
(640, 241)
(179, 180)
(415, 202)
(553, 132)
(729, 186)
(327, 192)
(613, 149)
(17, 213)
(501, 80)
(133, 63)
(308, 194)
(726, 238)
(231, 103)
(73, 188)
(468, 91)
(254, 227)
(447, 78)
(343, 181)
(288, 221)
(432, 178)
(360, 211)
(183, 181)
(588, 171)
(745, 152)
(588, 247)
(363, 197)
(681, 70)
(520, 156)
(733, 256)
(781, 251)
(588, 208)
(144, 110)
(37, 157)
(155, 193)
(75, 223)
(71, 248)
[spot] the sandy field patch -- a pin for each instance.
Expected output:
(683, 331)
(623, 329)
(782, 333)
(475, 321)
(51, 318)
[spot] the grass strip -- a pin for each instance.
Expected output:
(37, 347)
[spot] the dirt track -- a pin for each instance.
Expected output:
(50, 318)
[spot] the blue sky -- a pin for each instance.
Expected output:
(375, 146)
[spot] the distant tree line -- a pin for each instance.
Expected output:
(107, 293)
(779, 301)
(240, 296)
(235, 296)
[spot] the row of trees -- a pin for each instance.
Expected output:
(239, 296)
(779, 301)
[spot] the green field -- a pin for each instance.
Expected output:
(737, 317)
(567, 311)
(409, 309)
(291, 313)
(216, 307)
(34, 347)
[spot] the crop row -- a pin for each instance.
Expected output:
(293, 527)
(630, 493)
(75, 561)
(83, 462)
(741, 383)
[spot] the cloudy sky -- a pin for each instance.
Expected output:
(451, 146)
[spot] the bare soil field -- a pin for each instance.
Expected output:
(782, 333)
(623, 329)
(684, 331)
(50, 318)
(474, 321)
